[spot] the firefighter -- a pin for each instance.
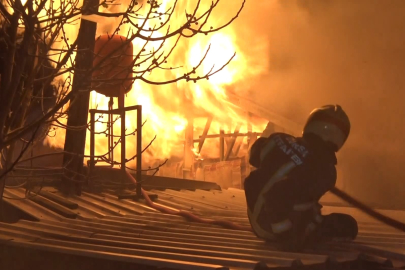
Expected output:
(292, 174)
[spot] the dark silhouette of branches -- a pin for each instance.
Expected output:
(38, 46)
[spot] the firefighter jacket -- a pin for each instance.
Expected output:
(292, 174)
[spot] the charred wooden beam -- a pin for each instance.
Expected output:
(232, 142)
(188, 149)
(249, 132)
(204, 135)
(221, 144)
(224, 135)
(237, 148)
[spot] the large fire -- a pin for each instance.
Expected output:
(168, 109)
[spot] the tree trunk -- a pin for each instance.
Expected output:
(78, 111)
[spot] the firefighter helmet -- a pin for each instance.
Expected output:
(330, 123)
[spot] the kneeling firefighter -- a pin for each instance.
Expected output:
(292, 174)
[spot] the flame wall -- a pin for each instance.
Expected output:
(167, 108)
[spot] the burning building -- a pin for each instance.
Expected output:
(195, 127)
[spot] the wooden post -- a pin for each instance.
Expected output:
(78, 111)
(221, 144)
(188, 149)
(139, 151)
(121, 107)
(249, 129)
(92, 146)
(111, 131)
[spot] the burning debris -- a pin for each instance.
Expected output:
(167, 107)
(164, 62)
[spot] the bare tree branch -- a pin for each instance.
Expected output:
(39, 64)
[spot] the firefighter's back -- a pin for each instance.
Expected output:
(292, 174)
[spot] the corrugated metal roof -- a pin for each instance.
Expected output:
(101, 226)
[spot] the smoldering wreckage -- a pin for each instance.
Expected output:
(267, 202)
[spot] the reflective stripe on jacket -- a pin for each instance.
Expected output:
(291, 175)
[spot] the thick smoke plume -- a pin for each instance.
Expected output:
(347, 52)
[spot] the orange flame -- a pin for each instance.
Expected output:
(168, 109)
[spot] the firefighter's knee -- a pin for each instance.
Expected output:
(343, 225)
(352, 225)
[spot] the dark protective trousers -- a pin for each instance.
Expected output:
(334, 226)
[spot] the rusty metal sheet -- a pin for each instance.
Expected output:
(214, 196)
(55, 233)
(163, 219)
(113, 202)
(15, 233)
(128, 230)
(141, 260)
(14, 198)
(181, 197)
(59, 199)
(87, 210)
(130, 204)
(102, 228)
(98, 205)
(205, 259)
(191, 249)
(200, 203)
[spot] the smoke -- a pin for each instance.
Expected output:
(343, 52)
